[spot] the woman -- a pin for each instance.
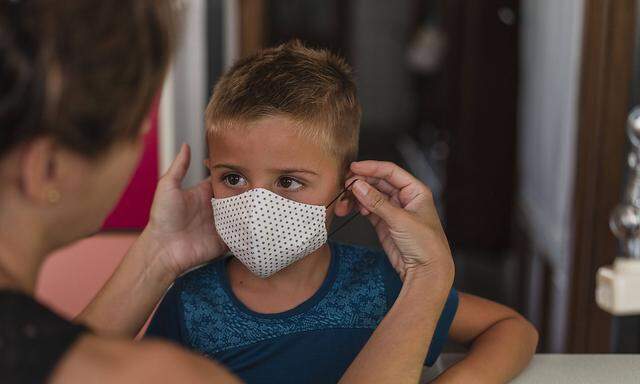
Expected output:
(77, 78)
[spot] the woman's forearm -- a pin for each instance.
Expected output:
(123, 305)
(497, 355)
(396, 351)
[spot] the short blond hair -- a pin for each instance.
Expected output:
(313, 87)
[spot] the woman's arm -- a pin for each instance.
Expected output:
(180, 235)
(101, 360)
(501, 342)
(126, 301)
(396, 351)
(403, 214)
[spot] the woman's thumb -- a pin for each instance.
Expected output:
(179, 167)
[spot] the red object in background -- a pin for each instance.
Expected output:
(132, 212)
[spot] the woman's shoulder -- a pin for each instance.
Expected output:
(37, 345)
(33, 339)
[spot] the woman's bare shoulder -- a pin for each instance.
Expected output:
(98, 360)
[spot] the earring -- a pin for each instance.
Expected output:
(53, 195)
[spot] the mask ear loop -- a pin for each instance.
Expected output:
(350, 217)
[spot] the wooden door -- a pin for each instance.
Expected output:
(481, 102)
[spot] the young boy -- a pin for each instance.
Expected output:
(288, 306)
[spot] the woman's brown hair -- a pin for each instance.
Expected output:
(83, 72)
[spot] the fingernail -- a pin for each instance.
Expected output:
(361, 188)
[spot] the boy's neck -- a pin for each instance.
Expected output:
(304, 275)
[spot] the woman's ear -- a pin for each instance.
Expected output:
(38, 171)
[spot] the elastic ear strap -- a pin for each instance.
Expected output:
(347, 221)
(341, 193)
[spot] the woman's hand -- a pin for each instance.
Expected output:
(403, 213)
(181, 221)
(180, 236)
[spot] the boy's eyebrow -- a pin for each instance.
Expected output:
(286, 170)
(230, 166)
(294, 170)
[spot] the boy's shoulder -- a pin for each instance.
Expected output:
(357, 258)
(202, 282)
(365, 272)
(355, 252)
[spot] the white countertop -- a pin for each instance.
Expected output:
(564, 369)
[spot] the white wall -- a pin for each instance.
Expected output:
(551, 34)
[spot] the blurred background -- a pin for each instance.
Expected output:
(512, 111)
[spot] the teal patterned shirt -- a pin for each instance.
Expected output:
(312, 343)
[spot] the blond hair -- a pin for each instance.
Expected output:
(313, 87)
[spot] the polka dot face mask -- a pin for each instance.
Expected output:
(268, 232)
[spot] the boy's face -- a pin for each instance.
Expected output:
(270, 153)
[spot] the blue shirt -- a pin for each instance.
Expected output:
(314, 342)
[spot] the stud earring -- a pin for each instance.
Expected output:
(53, 195)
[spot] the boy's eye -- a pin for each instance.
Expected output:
(289, 183)
(234, 180)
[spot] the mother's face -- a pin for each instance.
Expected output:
(85, 189)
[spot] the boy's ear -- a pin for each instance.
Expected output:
(346, 202)
(344, 205)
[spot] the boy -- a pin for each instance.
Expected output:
(282, 130)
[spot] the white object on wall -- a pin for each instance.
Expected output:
(617, 287)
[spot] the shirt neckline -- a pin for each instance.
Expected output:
(302, 307)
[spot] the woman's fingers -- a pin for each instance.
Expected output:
(179, 167)
(390, 193)
(376, 202)
(377, 183)
(407, 188)
(393, 174)
(381, 185)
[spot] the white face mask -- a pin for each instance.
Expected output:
(268, 232)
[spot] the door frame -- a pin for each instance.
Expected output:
(605, 88)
